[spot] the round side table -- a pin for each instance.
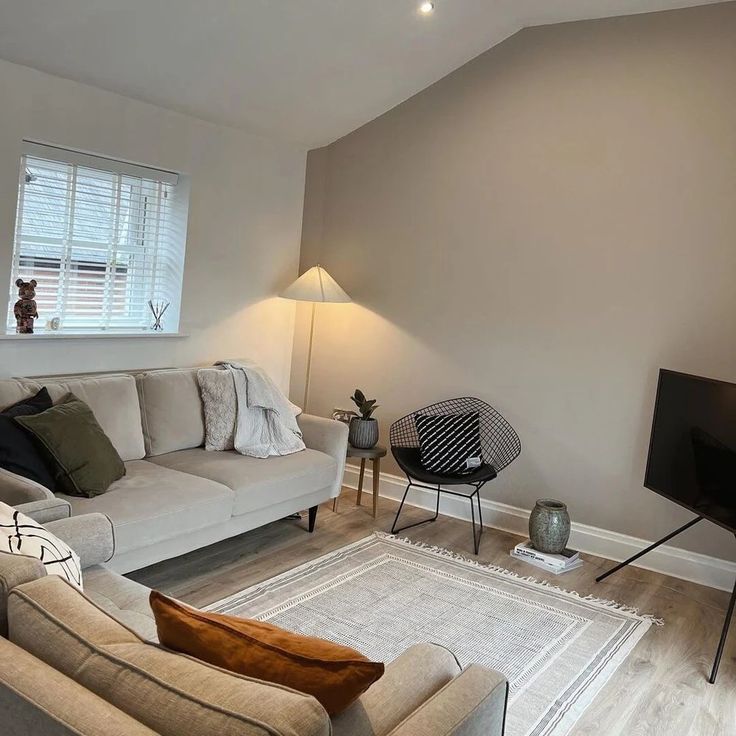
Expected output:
(375, 454)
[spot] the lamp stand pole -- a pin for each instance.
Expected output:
(309, 360)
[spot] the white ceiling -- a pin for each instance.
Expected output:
(305, 70)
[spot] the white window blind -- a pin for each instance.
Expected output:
(102, 238)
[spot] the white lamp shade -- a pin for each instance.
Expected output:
(316, 285)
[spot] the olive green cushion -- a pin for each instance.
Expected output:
(85, 460)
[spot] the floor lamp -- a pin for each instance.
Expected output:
(314, 286)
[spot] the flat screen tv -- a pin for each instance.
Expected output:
(692, 450)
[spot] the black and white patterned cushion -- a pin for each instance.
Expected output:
(21, 535)
(448, 441)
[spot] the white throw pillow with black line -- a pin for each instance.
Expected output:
(449, 444)
(21, 535)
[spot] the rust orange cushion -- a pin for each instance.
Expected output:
(334, 674)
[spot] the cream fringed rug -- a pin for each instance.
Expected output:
(383, 594)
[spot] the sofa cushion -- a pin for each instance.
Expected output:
(12, 391)
(114, 401)
(20, 535)
(38, 700)
(86, 462)
(19, 453)
(220, 405)
(335, 674)
(124, 599)
(171, 407)
(257, 482)
(170, 693)
(153, 503)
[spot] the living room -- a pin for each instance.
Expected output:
(350, 349)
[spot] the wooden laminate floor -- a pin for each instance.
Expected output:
(660, 690)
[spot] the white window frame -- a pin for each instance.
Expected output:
(113, 276)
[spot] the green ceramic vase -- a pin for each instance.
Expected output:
(549, 526)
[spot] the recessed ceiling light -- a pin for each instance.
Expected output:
(426, 8)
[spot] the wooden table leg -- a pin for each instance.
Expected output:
(360, 481)
(334, 503)
(376, 483)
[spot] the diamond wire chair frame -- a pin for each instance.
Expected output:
(500, 445)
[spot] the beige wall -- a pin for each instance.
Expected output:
(544, 228)
(244, 224)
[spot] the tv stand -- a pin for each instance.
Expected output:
(731, 605)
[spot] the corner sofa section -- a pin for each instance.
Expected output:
(176, 496)
(76, 665)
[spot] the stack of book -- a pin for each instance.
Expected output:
(568, 559)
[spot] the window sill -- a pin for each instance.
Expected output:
(96, 336)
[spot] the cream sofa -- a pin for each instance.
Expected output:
(176, 496)
(79, 665)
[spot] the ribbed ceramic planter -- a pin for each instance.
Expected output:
(549, 526)
(363, 433)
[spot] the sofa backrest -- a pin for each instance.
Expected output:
(170, 693)
(37, 699)
(15, 570)
(12, 391)
(114, 401)
(171, 409)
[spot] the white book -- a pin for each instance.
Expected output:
(562, 560)
(555, 570)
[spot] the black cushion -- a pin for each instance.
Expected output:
(19, 451)
(448, 441)
(410, 462)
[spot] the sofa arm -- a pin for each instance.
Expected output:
(50, 509)
(473, 704)
(15, 489)
(91, 536)
(328, 436)
(396, 695)
(37, 699)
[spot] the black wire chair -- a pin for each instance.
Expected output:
(500, 445)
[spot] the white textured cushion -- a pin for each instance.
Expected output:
(21, 535)
(173, 417)
(220, 408)
(114, 402)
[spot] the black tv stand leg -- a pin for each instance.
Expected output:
(648, 549)
(724, 636)
(731, 605)
(313, 517)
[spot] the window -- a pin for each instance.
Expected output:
(104, 240)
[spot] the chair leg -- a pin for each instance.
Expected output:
(476, 541)
(476, 537)
(394, 530)
(480, 513)
(312, 517)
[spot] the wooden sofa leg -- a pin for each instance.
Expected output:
(313, 517)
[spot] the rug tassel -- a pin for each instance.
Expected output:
(602, 602)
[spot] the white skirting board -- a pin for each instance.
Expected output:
(666, 559)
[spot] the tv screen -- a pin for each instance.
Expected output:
(692, 450)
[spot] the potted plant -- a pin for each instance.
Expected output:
(363, 429)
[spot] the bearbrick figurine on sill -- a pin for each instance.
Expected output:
(25, 309)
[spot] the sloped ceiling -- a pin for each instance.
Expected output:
(308, 71)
